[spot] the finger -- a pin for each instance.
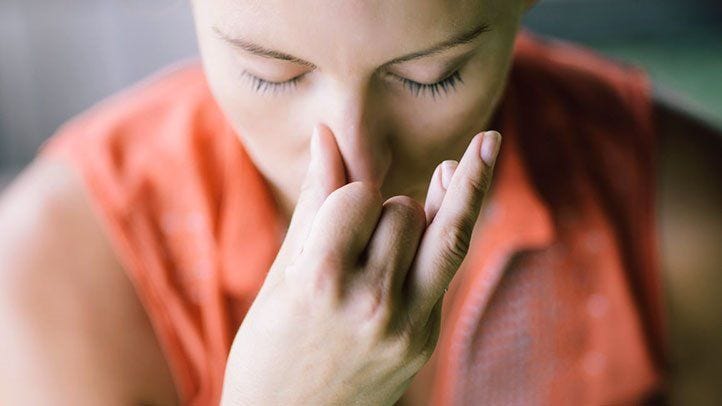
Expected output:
(446, 241)
(393, 245)
(326, 173)
(344, 223)
(433, 326)
(437, 188)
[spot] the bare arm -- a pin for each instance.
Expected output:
(73, 330)
(690, 207)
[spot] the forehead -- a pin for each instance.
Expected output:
(367, 11)
(345, 29)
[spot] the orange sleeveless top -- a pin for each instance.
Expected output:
(557, 302)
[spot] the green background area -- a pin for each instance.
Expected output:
(693, 69)
(678, 43)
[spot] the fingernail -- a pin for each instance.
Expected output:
(447, 171)
(490, 147)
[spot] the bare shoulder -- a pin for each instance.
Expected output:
(689, 204)
(73, 327)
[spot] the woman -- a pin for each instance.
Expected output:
(199, 199)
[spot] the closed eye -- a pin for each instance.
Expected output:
(263, 85)
(446, 85)
(435, 89)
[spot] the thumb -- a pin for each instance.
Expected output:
(326, 173)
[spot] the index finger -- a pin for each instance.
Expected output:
(326, 173)
(446, 241)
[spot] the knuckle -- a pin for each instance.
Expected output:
(324, 272)
(373, 306)
(363, 191)
(371, 303)
(380, 274)
(479, 185)
(356, 195)
(315, 278)
(455, 240)
(370, 310)
(407, 208)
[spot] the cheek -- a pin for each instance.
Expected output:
(267, 129)
(252, 115)
(268, 138)
(270, 129)
(441, 131)
(446, 125)
(428, 135)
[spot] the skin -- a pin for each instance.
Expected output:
(359, 277)
(387, 135)
(374, 143)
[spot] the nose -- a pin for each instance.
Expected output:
(357, 122)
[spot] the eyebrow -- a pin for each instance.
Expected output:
(454, 41)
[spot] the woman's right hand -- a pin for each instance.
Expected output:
(351, 308)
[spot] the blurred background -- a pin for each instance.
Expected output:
(59, 57)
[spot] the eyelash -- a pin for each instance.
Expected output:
(447, 84)
(261, 85)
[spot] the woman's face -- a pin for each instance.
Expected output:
(403, 84)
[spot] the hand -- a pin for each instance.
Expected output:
(351, 307)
